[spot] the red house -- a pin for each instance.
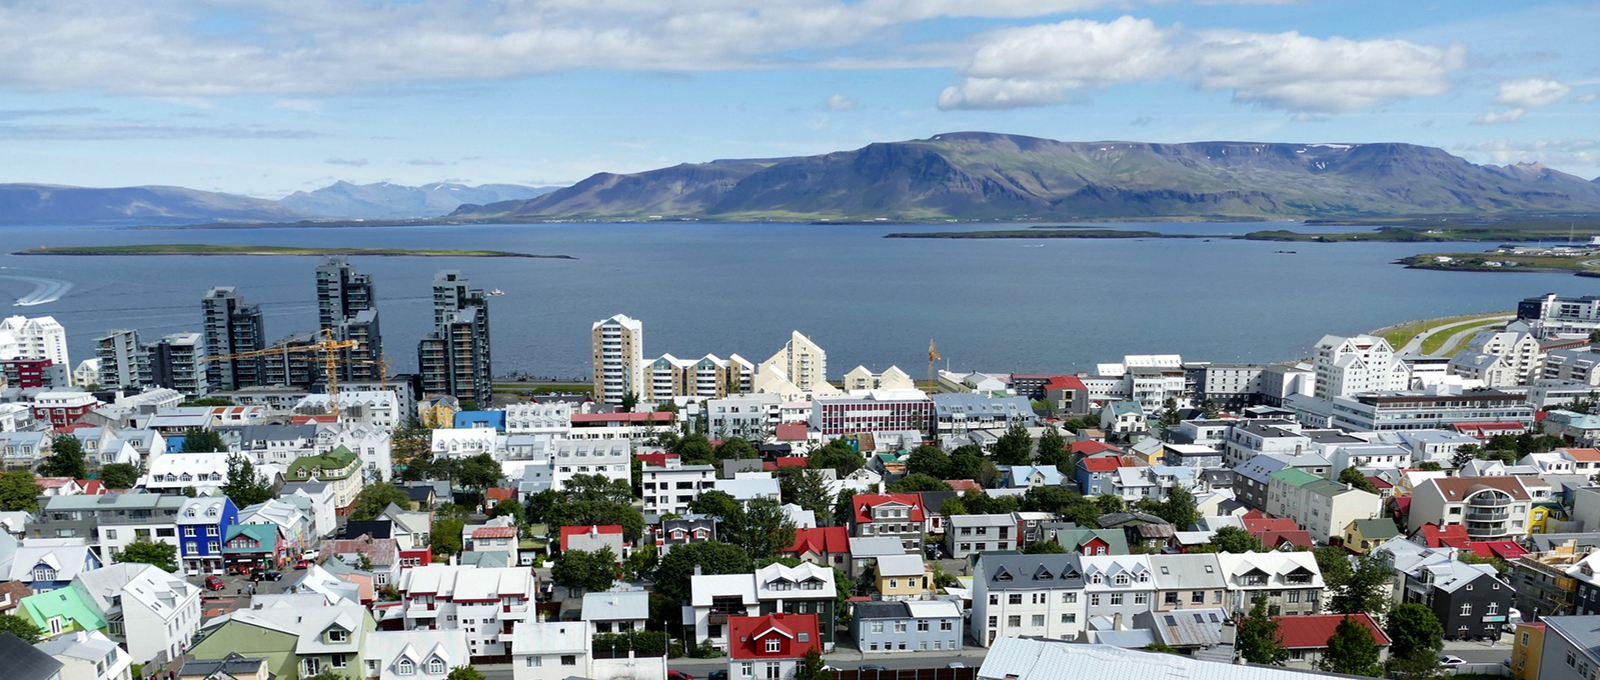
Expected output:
(1306, 637)
(770, 647)
(823, 546)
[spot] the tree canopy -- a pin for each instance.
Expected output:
(19, 491)
(918, 482)
(928, 460)
(1053, 448)
(196, 440)
(1235, 540)
(1354, 478)
(374, 498)
(592, 571)
(1014, 447)
(163, 555)
(1351, 651)
(1363, 587)
(735, 448)
(1414, 631)
(1044, 548)
(20, 626)
(244, 486)
(119, 476)
(712, 557)
(839, 456)
(65, 459)
(1257, 638)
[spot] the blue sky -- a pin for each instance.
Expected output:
(267, 98)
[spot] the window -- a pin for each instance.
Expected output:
(1014, 621)
(569, 660)
(899, 626)
(1197, 597)
(535, 661)
(314, 666)
(1014, 598)
(1069, 618)
(922, 625)
(342, 660)
(1038, 620)
(338, 635)
(774, 645)
(994, 599)
(1116, 599)
(1094, 599)
(1069, 598)
(877, 626)
(1466, 609)
(946, 626)
(1141, 598)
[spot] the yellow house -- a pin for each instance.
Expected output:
(1526, 645)
(1539, 519)
(902, 577)
(1364, 534)
(1149, 451)
(438, 412)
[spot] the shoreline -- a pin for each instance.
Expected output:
(200, 250)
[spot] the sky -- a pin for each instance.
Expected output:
(268, 97)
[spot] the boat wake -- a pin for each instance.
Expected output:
(44, 291)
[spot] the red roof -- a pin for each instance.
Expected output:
(658, 459)
(1380, 483)
(587, 529)
(1453, 536)
(313, 419)
(820, 540)
(498, 532)
(1275, 539)
(1505, 550)
(789, 461)
(1313, 632)
(863, 502)
(53, 482)
(963, 485)
(497, 494)
(747, 636)
(1484, 430)
(651, 417)
(791, 432)
(1064, 382)
(1091, 447)
(1402, 505)
(1589, 455)
(1264, 523)
(1102, 463)
(92, 487)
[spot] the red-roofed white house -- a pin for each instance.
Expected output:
(770, 647)
(591, 538)
(895, 515)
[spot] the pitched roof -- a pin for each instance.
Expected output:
(24, 662)
(820, 540)
(1458, 488)
(801, 628)
(598, 529)
(1101, 464)
(1091, 447)
(865, 502)
(65, 603)
(1505, 550)
(1313, 632)
(1453, 535)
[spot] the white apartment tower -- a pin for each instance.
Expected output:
(805, 364)
(1355, 365)
(39, 337)
(1516, 346)
(618, 359)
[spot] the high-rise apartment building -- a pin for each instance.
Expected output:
(347, 305)
(176, 362)
(121, 358)
(619, 366)
(455, 359)
(32, 338)
(710, 377)
(232, 327)
(1355, 365)
(802, 362)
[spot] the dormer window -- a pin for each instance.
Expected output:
(405, 667)
(1144, 577)
(338, 635)
(436, 666)
(1120, 579)
(1097, 579)
(774, 645)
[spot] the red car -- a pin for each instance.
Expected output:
(679, 675)
(215, 583)
(302, 564)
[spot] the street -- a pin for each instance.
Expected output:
(839, 658)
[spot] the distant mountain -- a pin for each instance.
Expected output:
(390, 201)
(44, 204)
(978, 175)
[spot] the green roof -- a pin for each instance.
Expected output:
(320, 466)
(264, 534)
(1376, 529)
(62, 602)
(1294, 477)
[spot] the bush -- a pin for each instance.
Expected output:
(706, 651)
(643, 643)
(675, 650)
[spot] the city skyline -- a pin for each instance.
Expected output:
(265, 101)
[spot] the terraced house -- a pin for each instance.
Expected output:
(297, 641)
(340, 468)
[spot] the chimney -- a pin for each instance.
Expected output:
(1116, 621)
(696, 570)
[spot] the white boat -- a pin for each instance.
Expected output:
(497, 291)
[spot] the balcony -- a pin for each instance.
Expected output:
(719, 617)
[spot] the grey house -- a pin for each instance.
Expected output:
(929, 625)
(1571, 647)
(968, 534)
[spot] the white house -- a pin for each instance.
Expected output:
(88, 656)
(171, 473)
(551, 650)
(155, 613)
(371, 442)
(488, 603)
(670, 488)
(415, 654)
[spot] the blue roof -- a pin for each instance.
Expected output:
(471, 419)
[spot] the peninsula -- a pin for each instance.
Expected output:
(214, 249)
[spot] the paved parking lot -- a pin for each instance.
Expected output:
(236, 594)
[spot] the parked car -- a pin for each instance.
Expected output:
(266, 575)
(302, 564)
(717, 675)
(870, 667)
(309, 555)
(1450, 660)
(680, 675)
(955, 664)
(215, 583)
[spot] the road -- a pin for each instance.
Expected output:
(1414, 345)
(840, 658)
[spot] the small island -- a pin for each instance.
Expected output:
(1582, 261)
(210, 249)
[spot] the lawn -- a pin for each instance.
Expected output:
(1401, 334)
(1437, 341)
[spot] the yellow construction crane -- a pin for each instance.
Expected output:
(328, 346)
(933, 355)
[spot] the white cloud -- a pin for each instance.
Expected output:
(1496, 117)
(1324, 75)
(1573, 155)
(300, 105)
(839, 102)
(1039, 64)
(1531, 93)
(356, 162)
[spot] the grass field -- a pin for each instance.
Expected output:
(1438, 341)
(1401, 334)
(542, 388)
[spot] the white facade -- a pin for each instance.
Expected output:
(489, 604)
(670, 489)
(802, 361)
(551, 650)
(554, 419)
(613, 459)
(1517, 348)
(1353, 365)
(414, 654)
(371, 442)
(619, 366)
(172, 472)
(88, 656)
(40, 337)
(752, 416)
(160, 613)
(465, 442)
(380, 408)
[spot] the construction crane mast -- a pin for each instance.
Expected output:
(328, 346)
(933, 355)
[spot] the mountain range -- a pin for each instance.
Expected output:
(50, 204)
(988, 176)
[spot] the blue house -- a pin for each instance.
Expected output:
(48, 567)
(202, 525)
(1029, 476)
(466, 420)
(1096, 474)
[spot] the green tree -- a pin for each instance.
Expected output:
(411, 443)
(196, 440)
(19, 626)
(1354, 478)
(1333, 562)
(464, 673)
(1108, 504)
(18, 491)
(719, 504)
(641, 565)
(119, 476)
(1170, 416)
(244, 486)
(953, 507)
(839, 456)
(374, 498)
(507, 507)
(66, 458)
(592, 571)
(630, 401)
(843, 509)
(694, 449)
(1235, 540)
(1179, 509)
(712, 557)
(1364, 588)
(1014, 447)
(735, 448)
(1053, 448)
(1257, 637)
(1465, 453)
(480, 472)
(766, 529)
(807, 488)
(928, 460)
(1044, 548)
(811, 667)
(163, 555)
(1414, 631)
(1429, 466)
(1351, 651)
(918, 482)
(446, 536)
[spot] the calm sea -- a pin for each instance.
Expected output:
(997, 305)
